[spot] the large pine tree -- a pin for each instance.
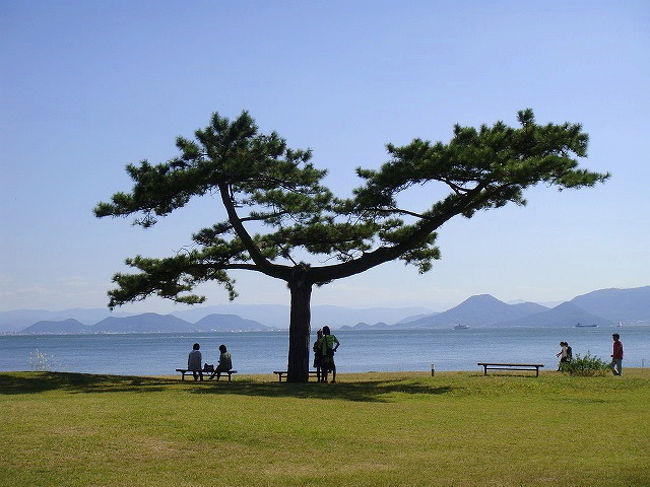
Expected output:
(265, 186)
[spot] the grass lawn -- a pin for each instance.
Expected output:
(375, 429)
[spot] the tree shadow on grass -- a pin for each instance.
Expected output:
(366, 391)
(363, 391)
(35, 382)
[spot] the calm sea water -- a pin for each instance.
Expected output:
(360, 351)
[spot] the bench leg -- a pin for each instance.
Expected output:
(183, 376)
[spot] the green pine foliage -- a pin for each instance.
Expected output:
(264, 183)
(264, 186)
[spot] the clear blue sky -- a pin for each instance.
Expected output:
(89, 86)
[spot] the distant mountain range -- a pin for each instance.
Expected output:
(148, 323)
(269, 315)
(277, 316)
(627, 305)
(65, 327)
(481, 310)
(565, 314)
(604, 307)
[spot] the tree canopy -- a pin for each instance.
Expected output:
(277, 212)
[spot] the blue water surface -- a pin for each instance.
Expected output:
(360, 351)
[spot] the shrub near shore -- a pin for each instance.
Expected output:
(398, 429)
(586, 365)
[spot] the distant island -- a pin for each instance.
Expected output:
(605, 307)
(148, 323)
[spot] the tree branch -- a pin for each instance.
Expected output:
(455, 188)
(263, 265)
(400, 211)
(263, 217)
(386, 254)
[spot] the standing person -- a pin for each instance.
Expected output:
(569, 352)
(225, 362)
(194, 360)
(329, 345)
(318, 354)
(617, 355)
(563, 354)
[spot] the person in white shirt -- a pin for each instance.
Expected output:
(194, 361)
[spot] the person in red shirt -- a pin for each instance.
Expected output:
(617, 355)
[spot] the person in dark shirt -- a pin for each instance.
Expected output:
(617, 355)
(225, 362)
(329, 345)
(318, 355)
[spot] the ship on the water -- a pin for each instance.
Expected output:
(580, 325)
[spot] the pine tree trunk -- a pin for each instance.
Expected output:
(299, 326)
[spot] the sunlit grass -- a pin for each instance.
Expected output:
(397, 429)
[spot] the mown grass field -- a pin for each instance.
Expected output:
(375, 429)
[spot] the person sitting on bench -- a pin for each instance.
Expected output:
(194, 360)
(225, 362)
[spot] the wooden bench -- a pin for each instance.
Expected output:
(500, 366)
(312, 373)
(206, 372)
